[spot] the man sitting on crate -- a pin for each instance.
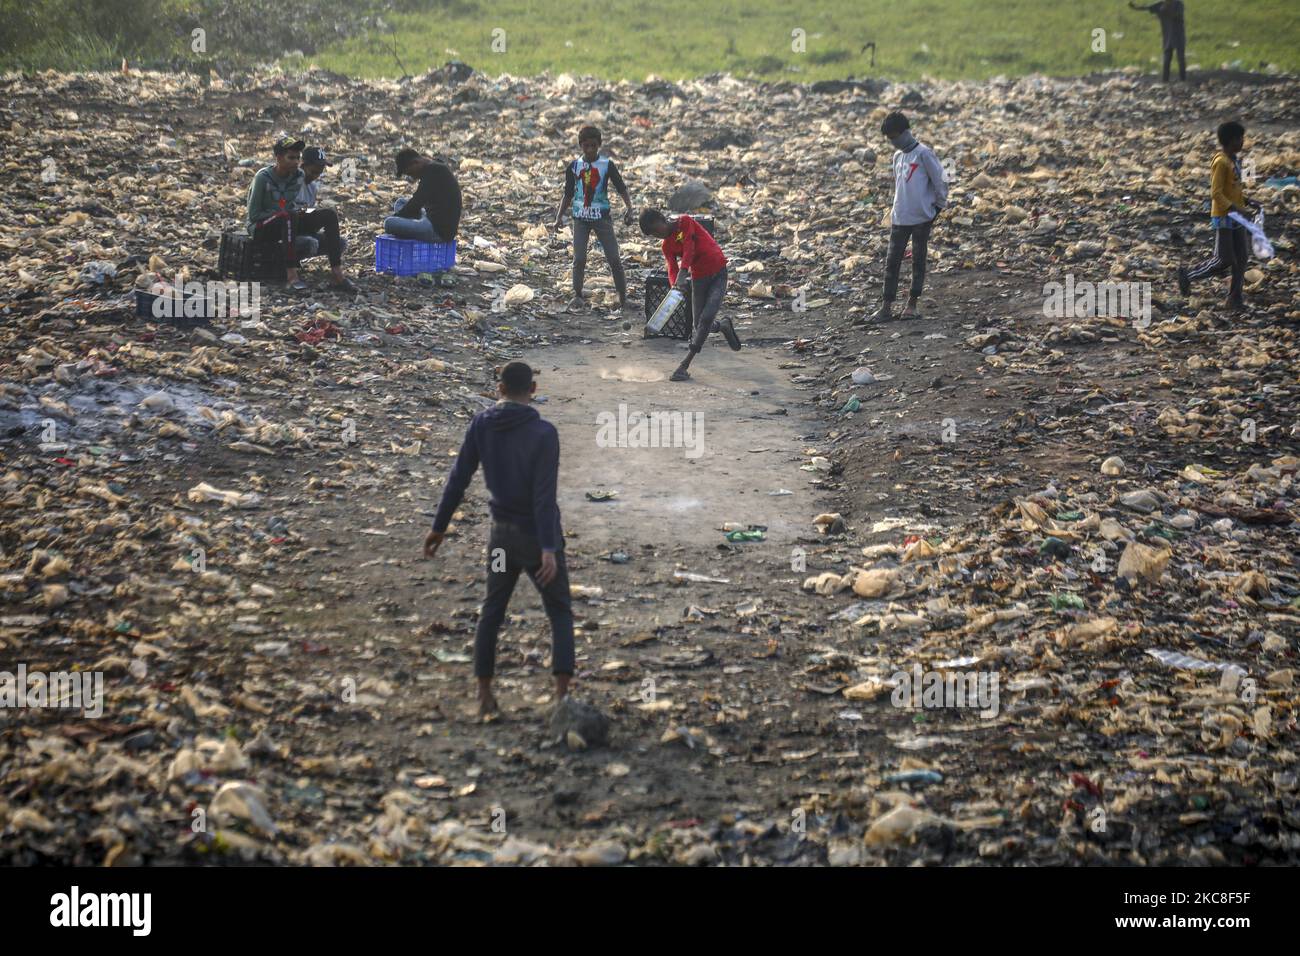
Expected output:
(433, 213)
(313, 165)
(273, 215)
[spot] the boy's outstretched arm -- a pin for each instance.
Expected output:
(688, 253)
(570, 187)
(616, 180)
(546, 476)
(457, 481)
(673, 271)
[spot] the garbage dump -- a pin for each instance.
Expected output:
(1014, 582)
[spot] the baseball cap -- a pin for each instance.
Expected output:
(516, 376)
(314, 156)
(286, 143)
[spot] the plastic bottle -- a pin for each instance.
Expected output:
(666, 308)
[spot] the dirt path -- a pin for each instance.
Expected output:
(736, 426)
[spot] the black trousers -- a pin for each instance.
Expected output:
(706, 296)
(1182, 62)
(511, 551)
(898, 239)
(604, 230)
(1231, 253)
(288, 225)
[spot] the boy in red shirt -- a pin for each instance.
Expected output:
(701, 258)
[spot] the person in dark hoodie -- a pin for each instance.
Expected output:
(433, 213)
(520, 454)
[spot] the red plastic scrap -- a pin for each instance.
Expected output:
(1079, 780)
(317, 330)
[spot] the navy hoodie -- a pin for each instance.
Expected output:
(520, 452)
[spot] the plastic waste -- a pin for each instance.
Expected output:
(664, 310)
(1262, 248)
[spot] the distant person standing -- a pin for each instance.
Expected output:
(1172, 32)
(920, 194)
(520, 454)
(591, 211)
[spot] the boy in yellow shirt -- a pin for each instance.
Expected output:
(1231, 242)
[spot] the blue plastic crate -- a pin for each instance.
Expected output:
(409, 257)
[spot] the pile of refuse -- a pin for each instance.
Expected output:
(214, 516)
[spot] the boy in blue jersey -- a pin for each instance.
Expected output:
(586, 198)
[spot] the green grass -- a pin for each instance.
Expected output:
(948, 39)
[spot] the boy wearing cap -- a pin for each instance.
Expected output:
(591, 211)
(701, 259)
(433, 213)
(920, 194)
(520, 454)
(273, 215)
(314, 162)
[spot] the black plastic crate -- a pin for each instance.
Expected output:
(206, 309)
(245, 260)
(681, 323)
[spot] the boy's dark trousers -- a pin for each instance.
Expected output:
(512, 550)
(707, 295)
(1230, 255)
(1182, 61)
(288, 226)
(898, 238)
(604, 229)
